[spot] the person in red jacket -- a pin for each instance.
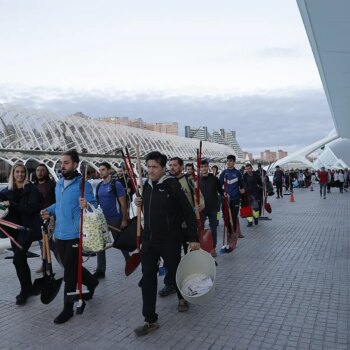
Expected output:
(323, 177)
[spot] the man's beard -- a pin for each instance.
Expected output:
(68, 175)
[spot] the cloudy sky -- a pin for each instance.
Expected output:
(240, 65)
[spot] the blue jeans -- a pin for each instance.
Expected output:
(212, 216)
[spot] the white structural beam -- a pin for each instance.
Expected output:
(327, 25)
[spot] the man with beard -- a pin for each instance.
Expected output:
(110, 195)
(176, 165)
(46, 188)
(67, 214)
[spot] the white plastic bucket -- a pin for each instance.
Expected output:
(194, 263)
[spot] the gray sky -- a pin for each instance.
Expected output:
(245, 66)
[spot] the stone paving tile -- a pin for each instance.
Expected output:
(286, 286)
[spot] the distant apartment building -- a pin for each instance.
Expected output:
(222, 136)
(270, 156)
(200, 133)
(165, 128)
(281, 154)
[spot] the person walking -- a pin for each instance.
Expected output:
(341, 180)
(66, 211)
(278, 178)
(165, 206)
(210, 188)
(323, 180)
(23, 200)
(235, 189)
(253, 185)
(46, 187)
(176, 166)
(110, 195)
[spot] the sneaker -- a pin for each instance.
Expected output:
(240, 235)
(250, 224)
(22, 297)
(182, 306)
(167, 290)
(99, 274)
(213, 253)
(147, 327)
(65, 315)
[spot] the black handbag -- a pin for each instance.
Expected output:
(126, 239)
(269, 188)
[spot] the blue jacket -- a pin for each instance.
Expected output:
(66, 209)
(235, 182)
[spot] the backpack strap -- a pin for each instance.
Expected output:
(114, 190)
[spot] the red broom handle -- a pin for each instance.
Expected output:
(139, 169)
(131, 167)
(80, 257)
(129, 172)
(11, 238)
(13, 225)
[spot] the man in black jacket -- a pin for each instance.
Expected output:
(253, 185)
(210, 187)
(165, 206)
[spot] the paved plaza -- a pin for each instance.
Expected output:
(286, 286)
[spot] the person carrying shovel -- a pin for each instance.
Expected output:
(165, 206)
(67, 214)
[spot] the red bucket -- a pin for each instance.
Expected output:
(246, 212)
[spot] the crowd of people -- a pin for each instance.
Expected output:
(171, 212)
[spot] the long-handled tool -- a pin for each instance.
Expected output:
(29, 254)
(232, 237)
(205, 236)
(51, 286)
(135, 258)
(39, 282)
(14, 226)
(79, 295)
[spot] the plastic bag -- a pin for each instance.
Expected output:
(95, 230)
(196, 285)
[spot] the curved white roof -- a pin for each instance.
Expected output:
(29, 129)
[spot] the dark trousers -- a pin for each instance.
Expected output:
(279, 189)
(22, 267)
(68, 251)
(150, 254)
(234, 206)
(212, 217)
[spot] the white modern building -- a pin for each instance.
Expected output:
(40, 135)
(327, 25)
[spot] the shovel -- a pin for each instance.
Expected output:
(80, 295)
(135, 259)
(51, 286)
(39, 282)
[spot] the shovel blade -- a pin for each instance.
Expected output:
(50, 289)
(207, 241)
(132, 263)
(39, 284)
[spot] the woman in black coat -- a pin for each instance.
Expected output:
(23, 200)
